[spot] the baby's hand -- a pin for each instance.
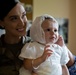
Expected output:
(60, 41)
(47, 52)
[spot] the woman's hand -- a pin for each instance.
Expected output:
(60, 41)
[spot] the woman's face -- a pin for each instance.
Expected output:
(15, 21)
(51, 31)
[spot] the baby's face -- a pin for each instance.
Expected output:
(51, 31)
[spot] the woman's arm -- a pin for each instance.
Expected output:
(65, 70)
(71, 61)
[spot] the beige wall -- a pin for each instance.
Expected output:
(60, 9)
(57, 8)
(72, 27)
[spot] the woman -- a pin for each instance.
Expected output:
(13, 19)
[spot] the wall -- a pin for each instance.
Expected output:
(57, 8)
(72, 27)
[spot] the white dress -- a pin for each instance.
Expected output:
(52, 65)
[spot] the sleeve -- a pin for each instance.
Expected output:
(65, 56)
(28, 51)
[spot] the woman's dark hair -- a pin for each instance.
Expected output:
(6, 6)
